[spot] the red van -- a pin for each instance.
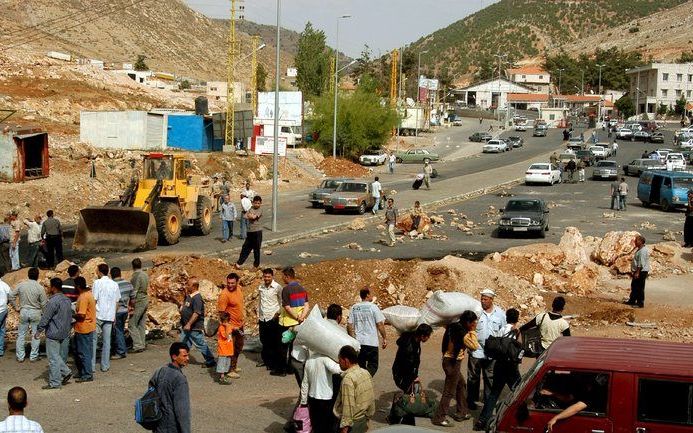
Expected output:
(629, 386)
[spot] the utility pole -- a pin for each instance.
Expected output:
(253, 74)
(275, 155)
(582, 83)
(418, 97)
(498, 101)
(599, 113)
(336, 87)
(229, 137)
(560, 72)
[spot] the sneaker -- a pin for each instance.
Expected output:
(67, 378)
(233, 375)
(118, 356)
(82, 380)
(443, 423)
(224, 381)
(277, 373)
(50, 387)
(460, 418)
(260, 364)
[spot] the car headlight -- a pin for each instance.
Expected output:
(352, 201)
(675, 198)
(504, 222)
(536, 222)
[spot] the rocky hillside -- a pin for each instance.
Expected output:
(173, 37)
(660, 36)
(525, 28)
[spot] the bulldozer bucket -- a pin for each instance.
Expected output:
(115, 229)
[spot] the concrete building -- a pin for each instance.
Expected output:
(531, 76)
(134, 130)
(526, 101)
(660, 83)
(490, 93)
(216, 91)
(23, 153)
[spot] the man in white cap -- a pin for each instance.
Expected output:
(491, 322)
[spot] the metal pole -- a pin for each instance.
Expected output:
(418, 99)
(275, 156)
(582, 83)
(637, 96)
(560, 73)
(599, 114)
(401, 60)
(336, 91)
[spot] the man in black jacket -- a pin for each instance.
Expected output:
(405, 369)
(172, 387)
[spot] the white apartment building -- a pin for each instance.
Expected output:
(531, 76)
(216, 91)
(660, 83)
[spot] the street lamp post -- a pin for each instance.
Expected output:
(418, 79)
(275, 154)
(599, 113)
(336, 87)
(560, 73)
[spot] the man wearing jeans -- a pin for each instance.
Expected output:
(57, 323)
(365, 322)
(85, 328)
(192, 320)
(32, 300)
(138, 319)
(127, 295)
(228, 216)
(253, 241)
(376, 191)
(107, 296)
(5, 291)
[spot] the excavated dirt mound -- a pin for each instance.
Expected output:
(342, 167)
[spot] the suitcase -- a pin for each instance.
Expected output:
(417, 184)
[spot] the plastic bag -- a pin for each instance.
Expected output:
(301, 420)
(322, 336)
(402, 318)
(446, 307)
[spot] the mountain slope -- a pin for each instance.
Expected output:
(174, 38)
(524, 28)
(661, 36)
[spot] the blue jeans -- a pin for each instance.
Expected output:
(56, 350)
(376, 206)
(197, 338)
(391, 166)
(14, 257)
(119, 334)
(3, 319)
(226, 229)
(622, 201)
(244, 228)
(28, 320)
(103, 329)
(84, 346)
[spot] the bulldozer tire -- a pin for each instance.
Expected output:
(169, 222)
(203, 223)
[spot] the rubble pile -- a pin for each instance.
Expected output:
(341, 168)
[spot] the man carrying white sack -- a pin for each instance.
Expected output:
(491, 322)
(365, 322)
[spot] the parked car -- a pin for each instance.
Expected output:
(416, 156)
(521, 127)
(675, 161)
(524, 215)
(657, 137)
(542, 173)
(624, 134)
(599, 152)
(567, 156)
(515, 141)
(495, 146)
(663, 152)
(352, 195)
(657, 384)
(585, 156)
(457, 121)
(637, 166)
(374, 156)
(539, 130)
(576, 141)
(641, 136)
(478, 137)
(575, 147)
(686, 144)
(607, 148)
(605, 169)
(669, 189)
(326, 187)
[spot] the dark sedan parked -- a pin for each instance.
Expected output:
(480, 136)
(515, 141)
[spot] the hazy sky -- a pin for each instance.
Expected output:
(382, 24)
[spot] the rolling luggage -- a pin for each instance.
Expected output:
(417, 184)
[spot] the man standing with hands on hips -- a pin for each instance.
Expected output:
(640, 268)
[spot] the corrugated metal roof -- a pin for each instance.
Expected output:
(642, 356)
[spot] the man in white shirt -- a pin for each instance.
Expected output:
(376, 190)
(17, 422)
(107, 295)
(247, 191)
(34, 240)
(317, 391)
(392, 159)
(268, 306)
(246, 205)
(365, 322)
(5, 291)
(491, 322)
(228, 216)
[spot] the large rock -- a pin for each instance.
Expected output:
(89, 269)
(573, 246)
(163, 315)
(405, 224)
(615, 250)
(62, 266)
(357, 224)
(209, 291)
(583, 281)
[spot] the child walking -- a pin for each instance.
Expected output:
(224, 348)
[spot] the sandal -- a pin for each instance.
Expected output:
(224, 381)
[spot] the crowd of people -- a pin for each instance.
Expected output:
(44, 239)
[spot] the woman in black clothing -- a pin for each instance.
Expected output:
(405, 369)
(688, 225)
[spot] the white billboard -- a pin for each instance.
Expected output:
(428, 83)
(290, 107)
(291, 72)
(265, 146)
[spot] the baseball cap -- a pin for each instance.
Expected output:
(488, 292)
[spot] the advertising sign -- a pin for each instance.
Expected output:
(290, 107)
(265, 146)
(428, 83)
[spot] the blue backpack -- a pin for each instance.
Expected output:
(148, 408)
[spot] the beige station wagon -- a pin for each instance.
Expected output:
(352, 195)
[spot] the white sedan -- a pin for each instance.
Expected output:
(624, 134)
(374, 157)
(599, 152)
(542, 173)
(521, 127)
(495, 146)
(675, 161)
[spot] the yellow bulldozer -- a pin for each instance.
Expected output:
(153, 211)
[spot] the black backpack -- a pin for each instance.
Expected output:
(504, 349)
(148, 408)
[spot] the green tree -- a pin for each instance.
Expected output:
(364, 120)
(312, 62)
(680, 107)
(662, 109)
(140, 64)
(625, 106)
(261, 77)
(686, 57)
(185, 84)
(363, 65)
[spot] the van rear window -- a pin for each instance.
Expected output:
(665, 401)
(560, 389)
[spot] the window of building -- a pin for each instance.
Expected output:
(562, 388)
(678, 93)
(679, 77)
(665, 93)
(524, 76)
(552, 117)
(674, 409)
(541, 77)
(688, 93)
(665, 77)
(690, 78)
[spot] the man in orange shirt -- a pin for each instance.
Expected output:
(85, 329)
(231, 302)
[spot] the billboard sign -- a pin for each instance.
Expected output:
(290, 107)
(428, 83)
(265, 146)
(291, 72)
